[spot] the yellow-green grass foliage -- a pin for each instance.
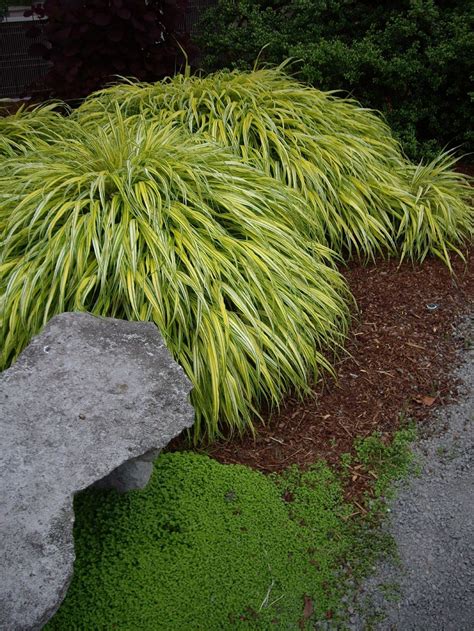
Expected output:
(28, 129)
(341, 157)
(137, 220)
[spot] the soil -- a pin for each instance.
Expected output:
(10, 107)
(397, 367)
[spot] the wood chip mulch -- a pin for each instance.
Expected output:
(401, 352)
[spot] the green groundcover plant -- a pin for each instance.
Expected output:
(205, 546)
(361, 191)
(212, 546)
(136, 220)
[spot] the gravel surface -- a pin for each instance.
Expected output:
(432, 521)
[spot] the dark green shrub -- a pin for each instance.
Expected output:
(411, 59)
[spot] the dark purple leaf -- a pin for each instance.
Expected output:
(120, 65)
(124, 13)
(63, 34)
(154, 32)
(150, 16)
(138, 25)
(115, 33)
(71, 50)
(101, 19)
(33, 31)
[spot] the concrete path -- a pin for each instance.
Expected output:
(432, 521)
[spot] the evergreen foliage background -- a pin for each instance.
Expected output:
(410, 59)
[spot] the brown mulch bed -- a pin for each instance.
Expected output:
(401, 351)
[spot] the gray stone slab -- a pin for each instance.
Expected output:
(89, 399)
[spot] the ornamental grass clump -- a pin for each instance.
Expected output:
(444, 217)
(342, 158)
(28, 129)
(136, 220)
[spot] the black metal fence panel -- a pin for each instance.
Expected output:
(20, 72)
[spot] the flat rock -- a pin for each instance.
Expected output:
(90, 399)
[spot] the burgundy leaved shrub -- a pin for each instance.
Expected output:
(90, 42)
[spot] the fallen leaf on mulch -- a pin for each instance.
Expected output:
(426, 400)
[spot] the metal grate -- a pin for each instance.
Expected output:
(20, 72)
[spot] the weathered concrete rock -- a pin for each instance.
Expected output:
(87, 395)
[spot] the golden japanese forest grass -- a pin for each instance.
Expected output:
(342, 158)
(216, 207)
(138, 221)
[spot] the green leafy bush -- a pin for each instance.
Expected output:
(135, 220)
(410, 59)
(360, 191)
(207, 546)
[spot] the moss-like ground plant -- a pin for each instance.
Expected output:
(136, 220)
(211, 546)
(207, 546)
(342, 158)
